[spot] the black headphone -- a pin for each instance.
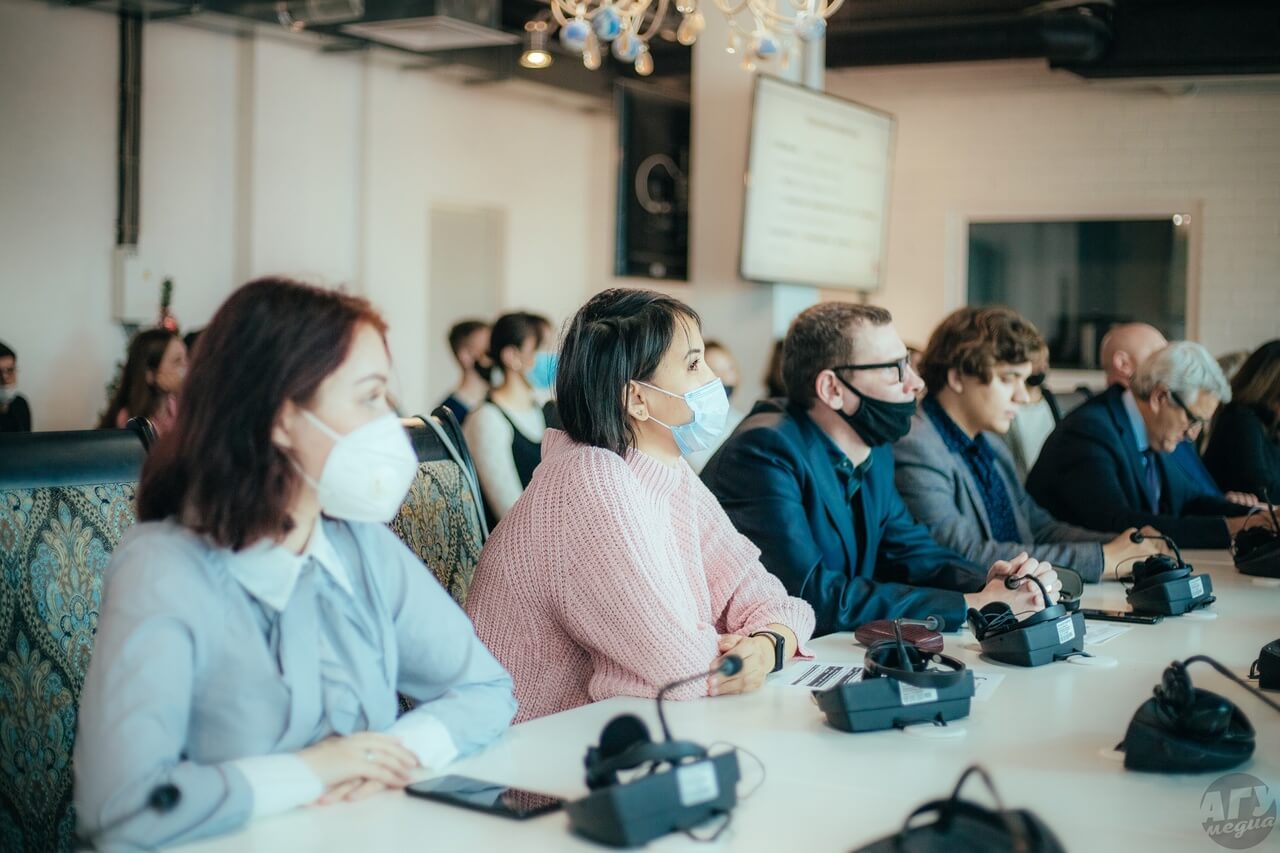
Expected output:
(625, 744)
(1256, 550)
(1185, 729)
(884, 660)
(998, 617)
(1156, 570)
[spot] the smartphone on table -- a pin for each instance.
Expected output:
(1121, 616)
(489, 797)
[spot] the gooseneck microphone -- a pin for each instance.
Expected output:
(1137, 537)
(729, 665)
(1015, 581)
(930, 623)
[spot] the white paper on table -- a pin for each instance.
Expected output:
(1096, 633)
(815, 675)
(985, 684)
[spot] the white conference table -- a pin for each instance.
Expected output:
(1042, 735)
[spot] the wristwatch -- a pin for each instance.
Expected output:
(779, 647)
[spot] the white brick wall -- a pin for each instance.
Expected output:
(1018, 139)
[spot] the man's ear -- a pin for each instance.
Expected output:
(954, 381)
(1122, 363)
(829, 390)
(1159, 399)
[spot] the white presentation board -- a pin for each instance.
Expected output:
(817, 189)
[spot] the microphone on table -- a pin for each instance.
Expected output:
(1137, 537)
(931, 623)
(729, 665)
(1015, 581)
(1166, 587)
(1256, 550)
(685, 784)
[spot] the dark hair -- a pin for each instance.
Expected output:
(822, 338)
(619, 335)
(5, 352)
(544, 327)
(134, 394)
(773, 383)
(218, 470)
(974, 340)
(191, 339)
(1257, 382)
(460, 331)
(512, 330)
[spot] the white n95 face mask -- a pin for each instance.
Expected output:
(368, 472)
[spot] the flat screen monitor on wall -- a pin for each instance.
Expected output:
(817, 189)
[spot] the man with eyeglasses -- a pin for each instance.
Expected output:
(1107, 466)
(1122, 351)
(15, 414)
(956, 475)
(809, 479)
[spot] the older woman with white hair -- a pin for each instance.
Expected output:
(1107, 466)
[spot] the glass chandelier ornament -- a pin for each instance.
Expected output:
(761, 31)
(771, 30)
(624, 28)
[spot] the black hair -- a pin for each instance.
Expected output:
(190, 339)
(619, 335)
(5, 352)
(512, 330)
(460, 331)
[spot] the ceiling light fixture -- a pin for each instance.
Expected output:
(535, 53)
(761, 31)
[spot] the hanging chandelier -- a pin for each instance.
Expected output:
(759, 30)
(772, 30)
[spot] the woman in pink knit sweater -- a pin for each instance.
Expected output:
(617, 571)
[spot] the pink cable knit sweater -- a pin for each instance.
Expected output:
(612, 577)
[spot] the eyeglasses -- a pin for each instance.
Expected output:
(902, 365)
(1035, 380)
(1195, 423)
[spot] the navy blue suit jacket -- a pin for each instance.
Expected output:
(1090, 473)
(775, 478)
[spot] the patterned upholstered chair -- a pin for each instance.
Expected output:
(441, 520)
(65, 500)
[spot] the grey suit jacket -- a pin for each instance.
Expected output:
(942, 494)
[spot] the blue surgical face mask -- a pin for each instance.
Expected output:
(710, 407)
(542, 376)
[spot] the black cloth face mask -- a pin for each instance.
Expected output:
(878, 422)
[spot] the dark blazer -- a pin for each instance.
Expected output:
(775, 478)
(940, 490)
(1187, 457)
(1244, 452)
(16, 417)
(1090, 473)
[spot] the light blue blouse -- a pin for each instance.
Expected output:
(211, 666)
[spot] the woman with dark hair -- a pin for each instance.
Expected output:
(258, 623)
(505, 434)
(1244, 449)
(150, 382)
(616, 571)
